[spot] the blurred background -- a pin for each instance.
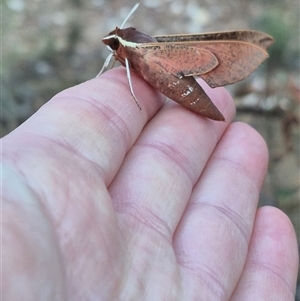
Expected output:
(48, 46)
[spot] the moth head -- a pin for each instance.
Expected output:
(112, 40)
(128, 37)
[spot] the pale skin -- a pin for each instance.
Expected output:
(101, 203)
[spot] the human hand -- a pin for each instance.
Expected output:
(102, 201)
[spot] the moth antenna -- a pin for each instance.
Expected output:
(129, 15)
(106, 63)
(129, 81)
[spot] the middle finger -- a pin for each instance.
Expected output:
(156, 179)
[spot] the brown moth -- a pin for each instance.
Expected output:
(169, 63)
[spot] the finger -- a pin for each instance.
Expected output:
(98, 120)
(61, 154)
(155, 182)
(270, 271)
(212, 239)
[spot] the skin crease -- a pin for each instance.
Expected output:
(102, 201)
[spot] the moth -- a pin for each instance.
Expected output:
(170, 62)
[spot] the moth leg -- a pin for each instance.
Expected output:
(106, 63)
(129, 82)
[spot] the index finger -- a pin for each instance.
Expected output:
(99, 119)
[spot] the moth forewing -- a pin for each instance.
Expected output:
(257, 38)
